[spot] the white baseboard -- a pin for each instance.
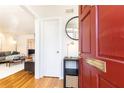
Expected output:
(61, 78)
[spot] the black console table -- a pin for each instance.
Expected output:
(70, 73)
(29, 66)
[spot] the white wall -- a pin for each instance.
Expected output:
(22, 42)
(47, 11)
(7, 42)
(59, 11)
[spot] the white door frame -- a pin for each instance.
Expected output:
(39, 46)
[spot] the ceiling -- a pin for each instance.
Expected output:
(14, 19)
(54, 10)
(20, 19)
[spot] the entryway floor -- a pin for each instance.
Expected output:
(23, 79)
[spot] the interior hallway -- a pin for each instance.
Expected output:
(24, 79)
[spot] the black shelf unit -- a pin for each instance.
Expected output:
(70, 71)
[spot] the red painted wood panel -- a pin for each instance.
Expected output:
(111, 42)
(86, 40)
(114, 73)
(87, 45)
(93, 31)
(86, 76)
(80, 72)
(106, 39)
(105, 84)
(111, 32)
(94, 79)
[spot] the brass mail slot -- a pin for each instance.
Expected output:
(99, 64)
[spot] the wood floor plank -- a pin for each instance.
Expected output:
(24, 79)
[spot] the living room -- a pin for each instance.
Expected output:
(16, 39)
(52, 44)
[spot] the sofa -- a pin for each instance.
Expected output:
(10, 56)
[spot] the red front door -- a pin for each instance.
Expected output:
(101, 39)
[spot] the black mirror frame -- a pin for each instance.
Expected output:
(67, 25)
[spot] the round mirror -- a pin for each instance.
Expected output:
(71, 28)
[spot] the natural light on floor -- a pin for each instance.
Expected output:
(6, 70)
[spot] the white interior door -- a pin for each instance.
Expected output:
(52, 57)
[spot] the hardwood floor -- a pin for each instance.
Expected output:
(24, 79)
